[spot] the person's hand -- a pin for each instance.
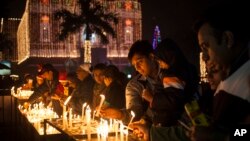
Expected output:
(55, 97)
(111, 113)
(140, 129)
(26, 105)
(147, 95)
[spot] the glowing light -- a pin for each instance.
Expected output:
(87, 51)
(203, 72)
(45, 19)
(128, 22)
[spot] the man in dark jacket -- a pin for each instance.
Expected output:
(224, 37)
(84, 90)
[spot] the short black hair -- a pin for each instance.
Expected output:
(141, 47)
(99, 66)
(46, 67)
(226, 17)
(111, 71)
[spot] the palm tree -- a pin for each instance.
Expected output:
(93, 18)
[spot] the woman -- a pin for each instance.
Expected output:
(115, 92)
(171, 58)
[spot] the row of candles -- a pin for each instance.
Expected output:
(36, 115)
(103, 128)
(38, 112)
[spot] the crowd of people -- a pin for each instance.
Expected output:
(164, 83)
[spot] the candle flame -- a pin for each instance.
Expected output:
(67, 100)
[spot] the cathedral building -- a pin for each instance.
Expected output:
(37, 34)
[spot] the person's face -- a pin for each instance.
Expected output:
(211, 49)
(98, 76)
(81, 74)
(107, 81)
(142, 64)
(48, 75)
(39, 80)
(162, 64)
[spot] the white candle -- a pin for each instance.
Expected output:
(67, 100)
(88, 121)
(65, 123)
(110, 124)
(64, 118)
(133, 115)
(94, 115)
(126, 133)
(83, 109)
(116, 129)
(70, 117)
(100, 105)
(121, 131)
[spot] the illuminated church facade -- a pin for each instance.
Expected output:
(37, 34)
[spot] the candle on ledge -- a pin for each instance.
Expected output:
(88, 121)
(121, 131)
(65, 112)
(70, 117)
(100, 105)
(83, 109)
(93, 118)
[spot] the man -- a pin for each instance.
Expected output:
(141, 57)
(85, 88)
(155, 112)
(223, 37)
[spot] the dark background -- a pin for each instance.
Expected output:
(174, 18)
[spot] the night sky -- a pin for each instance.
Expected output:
(174, 18)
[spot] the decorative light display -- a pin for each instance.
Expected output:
(37, 31)
(87, 51)
(156, 37)
(129, 26)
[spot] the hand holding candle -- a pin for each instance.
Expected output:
(100, 105)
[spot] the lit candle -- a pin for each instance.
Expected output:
(110, 124)
(93, 118)
(133, 115)
(126, 133)
(121, 131)
(83, 109)
(65, 112)
(70, 117)
(67, 100)
(88, 121)
(100, 105)
(116, 124)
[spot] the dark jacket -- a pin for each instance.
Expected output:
(168, 106)
(115, 95)
(82, 94)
